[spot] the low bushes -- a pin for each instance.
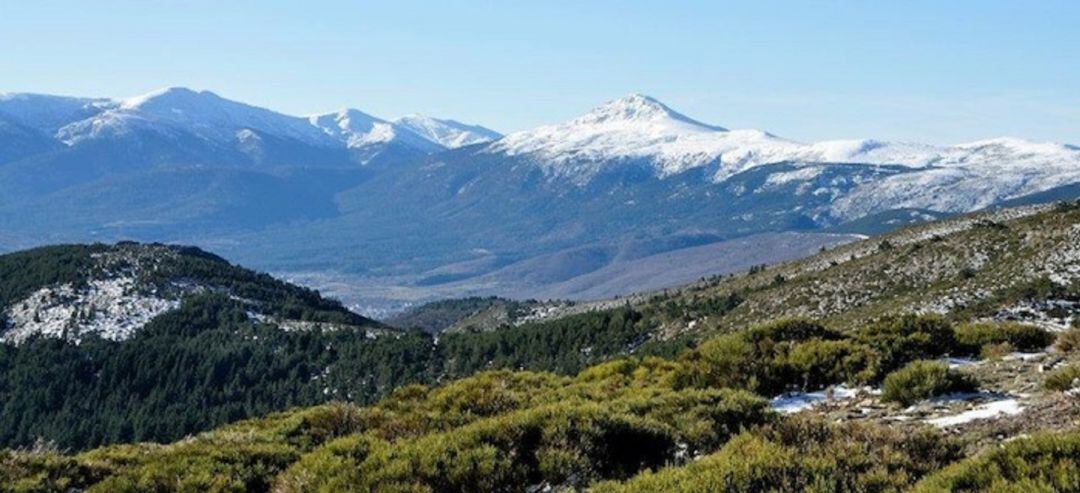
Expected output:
(1062, 379)
(567, 443)
(1068, 341)
(922, 379)
(805, 454)
(44, 471)
(570, 442)
(1042, 463)
(904, 338)
(982, 337)
(768, 359)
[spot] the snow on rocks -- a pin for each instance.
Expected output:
(111, 308)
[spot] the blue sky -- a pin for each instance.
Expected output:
(935, 71)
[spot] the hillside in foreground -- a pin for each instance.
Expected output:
(944, 357)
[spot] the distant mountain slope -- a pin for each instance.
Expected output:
(18, 141)
(48, 113)
(364, 133)
(449, 133)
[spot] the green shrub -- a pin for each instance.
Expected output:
(226, 464)
(976, 337)
(1068, 341)
(566, 443)
(568, 440)
(901, 339)
(725, 361)
(771, 358)
(1062, 379)
(245, 456)
(789, 330)
(800, 454)
(330, 469)
(1042, 463)
(922, 379)
(45, 471)
(817, 363)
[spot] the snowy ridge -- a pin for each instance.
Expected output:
(176, 111)
(48, 113)
(448, 133)
(357, 129)
(202, 113)
(640, 128)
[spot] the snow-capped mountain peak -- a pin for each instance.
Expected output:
(174, 97)
(637, 108)
(640, 128)
(448, 133)
(354, 127)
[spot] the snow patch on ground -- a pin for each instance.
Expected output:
(800, 401)
(1004, 407)
(960, 362)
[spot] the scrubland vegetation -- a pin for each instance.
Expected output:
(695, 422)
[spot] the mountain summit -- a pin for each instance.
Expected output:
(638, 108)
(639, 129)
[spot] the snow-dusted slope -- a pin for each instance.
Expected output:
(449, 133)
(203, 114)
(357, 129)
(113, 291)
(639, 128)
(47, 113)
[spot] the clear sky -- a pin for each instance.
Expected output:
(935, 71)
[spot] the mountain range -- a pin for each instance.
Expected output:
(386, 213)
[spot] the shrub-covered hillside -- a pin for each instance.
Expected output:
(1019, 263)
(688, 423)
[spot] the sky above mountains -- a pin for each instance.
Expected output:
(939, 72)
